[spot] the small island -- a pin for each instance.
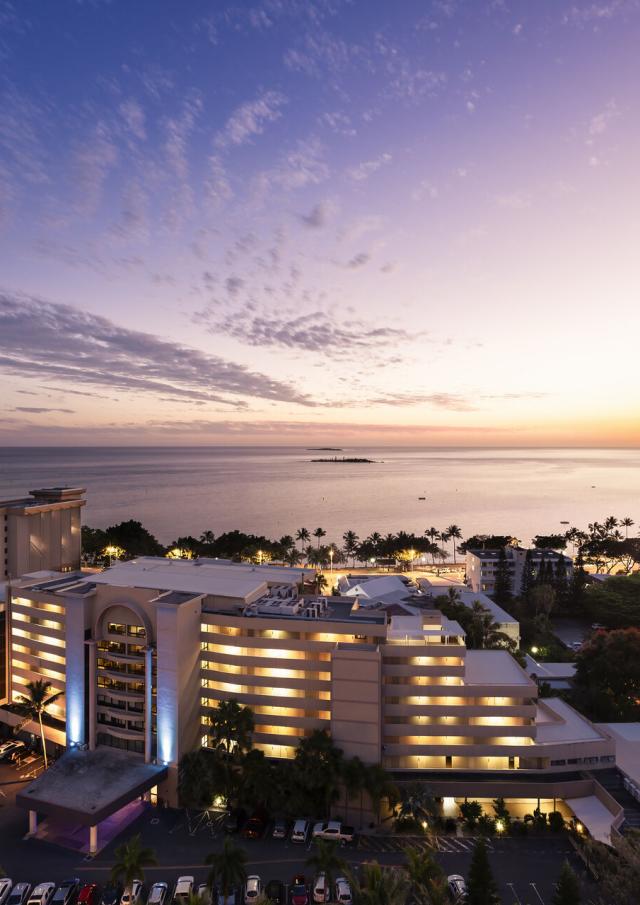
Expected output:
(324, 449)
(345, 460)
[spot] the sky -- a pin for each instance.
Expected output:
(319, 221)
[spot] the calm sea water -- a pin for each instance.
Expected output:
(274, 491)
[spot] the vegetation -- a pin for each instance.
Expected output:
(482, 888)
(34, 705)
(607, 681)
(380, 885)
(326, 859)
(567, 890)
(617, 867)
(131, 859)
(228, 867)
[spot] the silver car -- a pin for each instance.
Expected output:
(19, 894)
(158, 894)
(42, 894)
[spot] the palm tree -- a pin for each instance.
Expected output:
(321, 583)
(131, 859)
(381, 885)
(207, 537)
(626, 523)
(292, 557)
(454, 534)
(319, 533)
(327, 861)
(353, 778)
(231, 727)
(303, 536)
(379, 785)
(34, 705)
(228, 867)
(425, 874)
(351, 539)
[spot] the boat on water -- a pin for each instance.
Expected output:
(422, 497)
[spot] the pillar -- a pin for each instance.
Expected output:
(93, 692)
(93, 839)
(148, 702)
(33, 822)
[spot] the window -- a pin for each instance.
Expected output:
(115, 628)
(136, 631)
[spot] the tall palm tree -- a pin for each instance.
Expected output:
(454, 534)
(432, 533)
(327, 861)
(232, 726)
(131, 859)
(626, 523)
(381, 885)
(351, 539)
(228, 867)
(353, 779)
(303, 536)
(34, 705)
(379, 784)
(207, 537)
(424, 871)
(319, 533)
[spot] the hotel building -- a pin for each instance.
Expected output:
(482, 566)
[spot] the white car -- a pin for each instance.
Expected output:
(252, 889)
(343, 891)
(300, 831)
(184, 888)
(19, 894)
(158, 894)
(132, 894)
(14, 746)
(42, 894)
(204, 894)
(320, 889)
(5, 889)
(457, 887)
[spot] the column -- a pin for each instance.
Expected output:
(33, 822)
(148, 702)
(93, 692)
(93, 839)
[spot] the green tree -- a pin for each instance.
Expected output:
(379, 785)
(316, 771)
(470, 811)
(353, 778)
(417, 806)
(34, 704)
(550, 541)
(228, 867)
(424, 871)
(303, 536)
(455, 534)
(380, 885)
(135, 539)
(131, 859)
(607, 679)
(567, 890)
(482, 888)
(501, 812)
(351, 539)
(502, 588)
(319, 533)
(231, 735)
(202, 776)
(327, 860)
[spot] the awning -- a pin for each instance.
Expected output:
(595, 816)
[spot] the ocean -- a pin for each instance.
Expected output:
(275, 491)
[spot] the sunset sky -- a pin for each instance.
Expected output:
(294, 221)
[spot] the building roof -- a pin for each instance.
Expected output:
(627, 739)
(494, 667)
(550, 670)
(557, 722)
(374, 588)
(87, 786)
(595, 816)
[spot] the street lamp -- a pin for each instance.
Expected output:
(535, 650)
(331, 559)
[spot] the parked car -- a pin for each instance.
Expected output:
(8, 749)
(184, 888)
(67, 892)
(300, 831)
(19, 894)
(274, 891)
(111, 894)
(158, 894)
(89, 894)
(132, 894)
(320, 889)
(457, 887)
(5, 889)
(221, 900)
(596, 626)
(252, 889)
(204, 894)
(280, 828)
(254, 828)
(298, 892)
(42, 894)
(333, 829)
(343, 891)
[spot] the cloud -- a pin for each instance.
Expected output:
(250, 119)
(358, 260)
(302, 166)
(319, 215)
(314, 332)
(339, 123)
(53, 341)
(93, 162)
(319, 52)
(450, 401)
(514, 200)
(35, 410)
(134, 118)
(599, 123)
(368, 167)
(594, 13)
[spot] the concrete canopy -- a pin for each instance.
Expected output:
(85, 787)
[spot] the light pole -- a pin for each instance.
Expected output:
(331, 559)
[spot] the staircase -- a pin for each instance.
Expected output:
(613, 781)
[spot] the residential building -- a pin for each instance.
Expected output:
(482, 566)
(435, 588)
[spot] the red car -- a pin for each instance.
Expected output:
(298, 892)
(89, 894)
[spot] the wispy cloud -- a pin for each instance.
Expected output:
(37, 410)
(319, 215)
(47, 340)
(250, 119)
(367, 168)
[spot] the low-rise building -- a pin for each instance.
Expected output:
(482, 566)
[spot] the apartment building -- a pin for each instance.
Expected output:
(482, 566)
(145, 650)
(42, 531)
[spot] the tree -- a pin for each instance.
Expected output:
(228, 867)
(319, 533)
(424, 872)
(35, 704)
(207, 537)
(501, 812)
(353, 779)
(607, 680)
(567, 888)
(417, 806)
(135, 539)
(454, 533)
(202, 776)
(131, 859)
(616, 602)
(381, 885)
(350, 539)
(626, 523)
(550, 541)
(481, 888)
(502, 586)
(379, 785)
(470, 811)
(316, 771)
(231, 727)
(326, 860)
(618, 866)
(303, 536)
